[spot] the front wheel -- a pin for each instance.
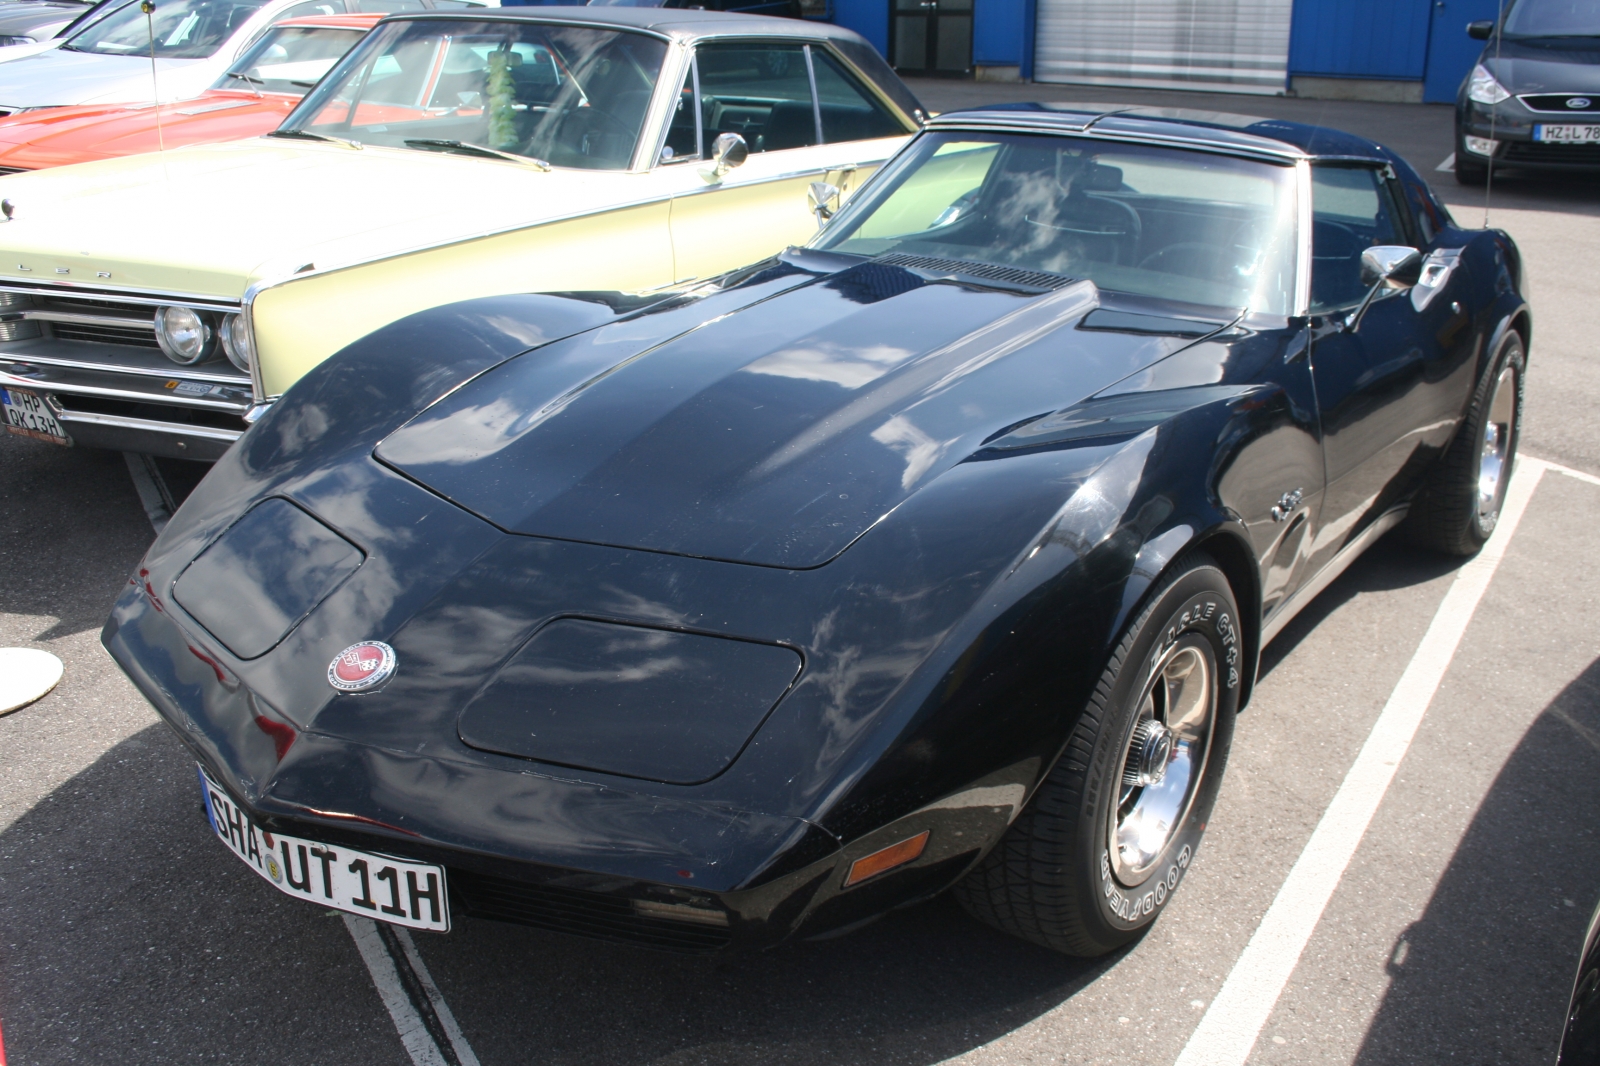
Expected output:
(1111, 832)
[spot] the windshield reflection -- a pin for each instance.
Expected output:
(573, 96)
(290, 59)
(1192, 226)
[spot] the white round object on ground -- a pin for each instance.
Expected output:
(25, 675)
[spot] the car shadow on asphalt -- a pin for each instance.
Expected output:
(1391, 563)
(920, 986)
(1472, 980)
(71, 532)
(131, 935)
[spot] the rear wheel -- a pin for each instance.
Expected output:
(1110, 833)
(1460, 504)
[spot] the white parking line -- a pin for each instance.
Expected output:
(1230, 1026)
(414, 1034)
(1449, 164)
(152, 489)
(417, 1036)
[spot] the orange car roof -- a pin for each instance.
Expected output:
(349, 22)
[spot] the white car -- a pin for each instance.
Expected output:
(174, 54)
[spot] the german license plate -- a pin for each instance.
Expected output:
(1567, 134)
(378, 886)
(28, 415)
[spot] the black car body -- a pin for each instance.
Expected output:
(1535, 87)
(893, 509)
(1580, 1042)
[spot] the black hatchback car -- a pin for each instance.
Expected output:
(1533, 99)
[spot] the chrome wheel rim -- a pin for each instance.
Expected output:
(1163, 759)
(1494, 452)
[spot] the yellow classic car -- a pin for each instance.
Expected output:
(156, 303)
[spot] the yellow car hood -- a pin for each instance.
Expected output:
(209, 220)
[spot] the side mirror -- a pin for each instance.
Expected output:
(1385, 266)
(824, 200)
(727, 151)
(1481, 31)
(1394, 266)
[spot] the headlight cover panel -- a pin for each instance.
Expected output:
(631, 700)
(256, 582)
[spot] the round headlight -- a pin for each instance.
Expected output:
(183, 335)
(236, 342)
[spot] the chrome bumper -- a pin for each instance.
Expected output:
(107, 396)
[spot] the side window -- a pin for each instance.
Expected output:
(849, 112)
(1351, 211)
(760, 91)
(683, 133)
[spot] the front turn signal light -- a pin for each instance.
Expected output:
(886, 859)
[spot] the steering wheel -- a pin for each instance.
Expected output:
(1192, 259)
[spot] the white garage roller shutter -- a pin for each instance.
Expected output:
(1235, 45)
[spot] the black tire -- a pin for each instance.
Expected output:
(1051, 879)
(1449, 515)
(1469, 173)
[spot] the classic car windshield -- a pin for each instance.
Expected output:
(290, 59)
(1193, 226)
(181, 29)
(1554, 18)
(572, 96)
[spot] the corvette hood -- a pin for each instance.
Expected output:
(774, 435)
(210, 219)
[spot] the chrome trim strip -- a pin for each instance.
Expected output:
(185, 373)
(980, 121)
(71, 290)
(67, 389)
(90, 418)
(68, 318)
(1328, 574)
(1303, 224)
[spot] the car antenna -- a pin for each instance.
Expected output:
(1494, 109)
(149, 9)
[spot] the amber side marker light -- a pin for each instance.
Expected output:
(886, 859)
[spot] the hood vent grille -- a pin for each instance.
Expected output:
(1036, 279)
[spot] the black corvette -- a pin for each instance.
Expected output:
(937, 553)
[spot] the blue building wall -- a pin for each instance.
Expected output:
(998, 32)
(870, 18)
(1360, 38)
(1402, 40)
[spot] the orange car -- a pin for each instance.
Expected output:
(249, 100)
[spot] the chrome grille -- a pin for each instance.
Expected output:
(1587, 104)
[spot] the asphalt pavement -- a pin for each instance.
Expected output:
(1445, 932)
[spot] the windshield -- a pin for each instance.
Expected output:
(182, 29)
(571, 96)
(1190, 226)
(290, 59)
(1554, 18)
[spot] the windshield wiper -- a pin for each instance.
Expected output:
(307, 135)
(248, 80)
(473, 149)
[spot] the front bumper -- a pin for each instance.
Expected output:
(1512, 128)
(97, 363)
(519, 846)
